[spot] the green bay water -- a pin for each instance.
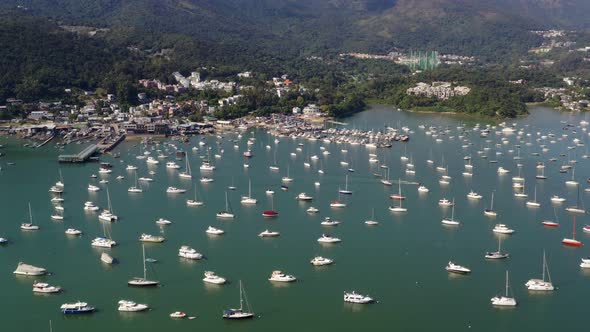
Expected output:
(400, 262)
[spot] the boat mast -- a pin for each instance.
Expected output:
(574, 231)
(30, 214)
(506, 283)
(546, 267)
(109, 201)
(226, 205)
(241, 300)
(144, 268)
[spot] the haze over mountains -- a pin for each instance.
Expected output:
(466, 26)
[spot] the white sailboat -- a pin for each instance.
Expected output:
(534, 202)
(504, 300)
(227, 213)
(143, 282)
(194, 202)
(107, 214)
(490, 212)
(239, 313)
(287, 178)
(541, 284)
(29, 226)
(345, 191)
(452, 221)
(248, 200)
(572, 182)
(135, 189)
(497, 254)
(372, 221)
(103, 241)
(187, 174)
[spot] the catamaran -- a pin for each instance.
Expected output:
(541, 284)
(504, 300)
(103, 241)
(107, 214)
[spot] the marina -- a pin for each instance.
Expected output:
(402, 257)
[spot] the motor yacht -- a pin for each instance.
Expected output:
(214, 231)
(279, 276)
(172, 165)
(557, 199)
(93, 188)
(455, 268)
(329, 222)
(73, 231)
(337, 204)
(502, 229)
(89, 206)
(177, 314)
(212, 278)
(312, 209)
(76, 308)
(103, 242)
(130, 306)
(321, 261)
(423, 189)
(325, 238)
(162, 221)
(42, 287)
(151, 238)
(353, 297)
(445, 202)
(473, 195)
(267, 233)
(303, 197)
(174, 190)
(189, 253)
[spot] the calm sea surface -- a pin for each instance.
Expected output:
(400, 262)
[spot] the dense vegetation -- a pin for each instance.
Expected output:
(153, 38)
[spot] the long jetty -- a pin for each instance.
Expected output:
(80, 157)
(107, 145)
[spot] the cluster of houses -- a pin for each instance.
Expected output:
(438, 90)
(567, 100)
(184, 83)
